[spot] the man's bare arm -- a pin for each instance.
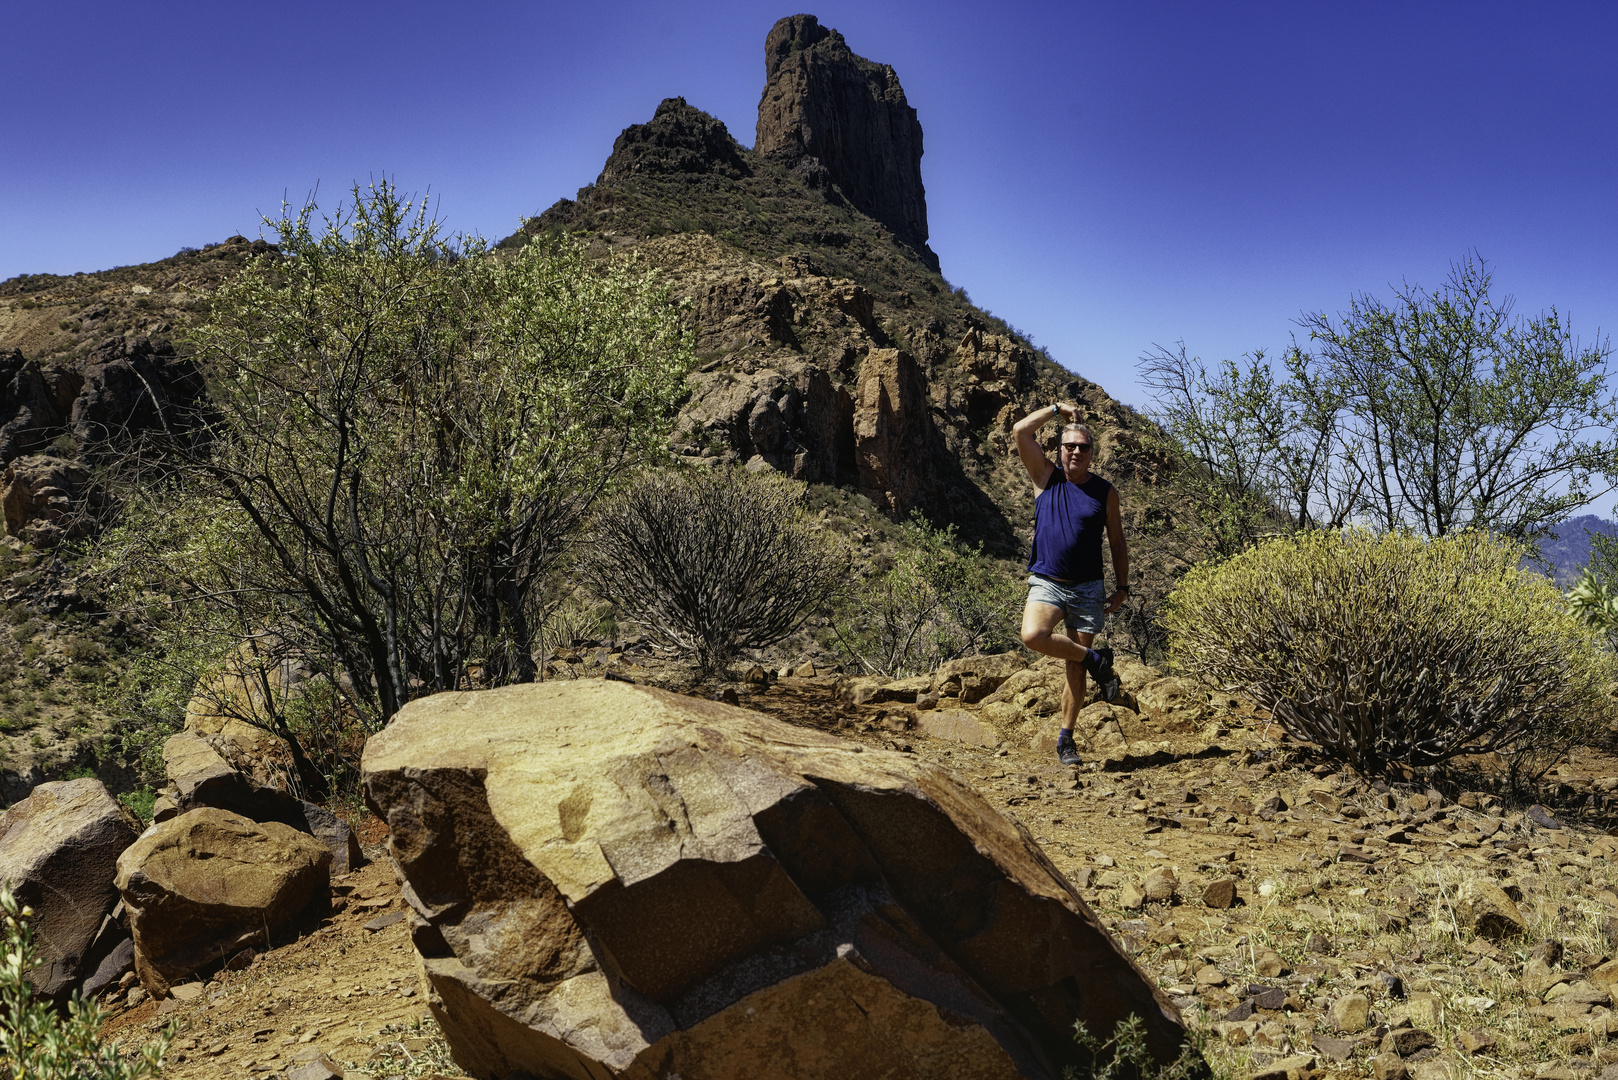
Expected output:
(1120, 552)
(1026, 432)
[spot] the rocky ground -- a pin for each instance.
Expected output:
(1307, 921)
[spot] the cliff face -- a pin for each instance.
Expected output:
(841, 121)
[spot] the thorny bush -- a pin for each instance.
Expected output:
(713, 562)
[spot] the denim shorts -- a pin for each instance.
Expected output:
(1083, 603)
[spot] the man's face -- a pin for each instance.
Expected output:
(1075, 450)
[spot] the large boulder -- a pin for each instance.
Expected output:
(200, 776)
(612, 880)
(205, 885)
(1175, 703)
(59, 850)
(40, 497)
(231, 709)
(975, 678)
(133, 386)
(894, 435)
(34, 404)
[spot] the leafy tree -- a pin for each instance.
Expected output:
(405, 431)
(1594, 597)
(1436, 411)
(713, 562)
(36, 1042)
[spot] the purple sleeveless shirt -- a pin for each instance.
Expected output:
(1068, 521)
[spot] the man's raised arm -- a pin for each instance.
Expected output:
(1026, 432)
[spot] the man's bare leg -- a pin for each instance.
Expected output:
(1038, 633)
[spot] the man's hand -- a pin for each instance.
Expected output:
(1116, 600)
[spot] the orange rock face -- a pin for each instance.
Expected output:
(610, 880)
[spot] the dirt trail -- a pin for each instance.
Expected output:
(1316, 882)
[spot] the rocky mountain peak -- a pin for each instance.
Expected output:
(842, 121)
(679, 139)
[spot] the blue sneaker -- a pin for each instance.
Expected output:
(1066, 752)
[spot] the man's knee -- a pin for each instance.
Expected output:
(1035, 636)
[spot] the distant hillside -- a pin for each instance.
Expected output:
(832, 348)
(1567, 551)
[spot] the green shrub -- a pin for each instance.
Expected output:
(1126, 1055)
(1394, 648)
(37, 1043)
(140, 802)
(938, 600)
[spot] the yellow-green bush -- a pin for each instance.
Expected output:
(1384, 648)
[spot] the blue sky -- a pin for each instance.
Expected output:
(1102, 175)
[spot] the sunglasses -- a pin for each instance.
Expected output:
(1076, 447)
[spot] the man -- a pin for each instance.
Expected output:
(1071, 509)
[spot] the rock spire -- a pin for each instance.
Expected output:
(841, 120)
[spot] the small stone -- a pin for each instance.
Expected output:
(1130, 896)
(1244, 1011)
(1319, 943)
(1081, 877)
(1328, 800)
(1392, 985)
(190, 991)
(1106, 860)
(1541, 817)
(1474, 1042)
(1407, 1041)
(1336, 1049)
(1209, 975)
(242, 960)
(1350, 1014)
(1161, 884)
(1288, 1068)
(1220, 894)
(1268, 997)
(382, 922)
(1423, 1008)
(1486, 910)
(136, 996)
(1270, 965)
(1389, 1067)
(1606, 974)
(321, 1068)
(806, 670)
(1548, 951)
(1418, 803)
(1164, 935)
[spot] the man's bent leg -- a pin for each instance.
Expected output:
(1038, 626)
